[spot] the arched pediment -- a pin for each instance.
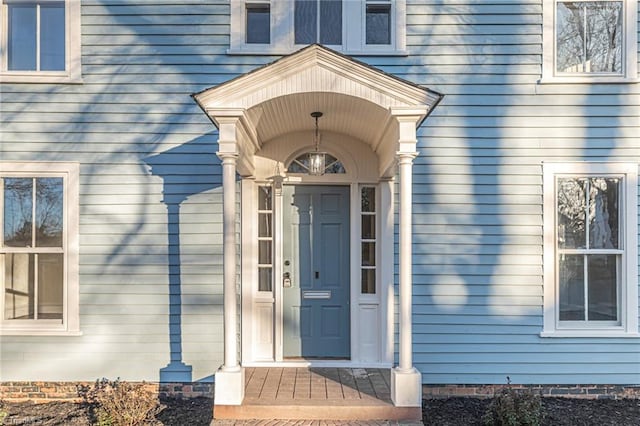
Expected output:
(357, 100)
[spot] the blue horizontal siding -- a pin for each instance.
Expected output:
(477, 235)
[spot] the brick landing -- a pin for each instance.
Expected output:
(329, 394)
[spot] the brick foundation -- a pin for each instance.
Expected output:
(567, 391)
(68, 391)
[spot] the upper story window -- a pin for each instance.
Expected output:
(39, 248)
(351, 26)
(40, 41)
(590, 253)
(593, 40)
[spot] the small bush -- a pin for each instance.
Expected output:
(118, 403)
(511, 407)
(3, 413)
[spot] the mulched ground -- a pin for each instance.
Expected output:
(557, 412)
(441, 412)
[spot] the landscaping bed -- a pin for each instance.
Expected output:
(441, 412)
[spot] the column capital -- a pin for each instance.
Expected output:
(406, 157)
(228, 157)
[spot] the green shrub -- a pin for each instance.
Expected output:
(118, 403)
(511, 407)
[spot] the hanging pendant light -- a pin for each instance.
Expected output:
(316, 158)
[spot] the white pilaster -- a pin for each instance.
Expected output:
(229, 386)
(406, 381)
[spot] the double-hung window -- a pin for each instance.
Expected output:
(39, 248)
(590, 40)
(40, 41)
(590, 251)
(351, 26)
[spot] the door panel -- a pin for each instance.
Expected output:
(316, 316)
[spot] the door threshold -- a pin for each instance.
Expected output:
(314, 358)
(328, 363)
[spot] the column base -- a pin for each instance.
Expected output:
(176, 372)
(229, 387)
(406, 388)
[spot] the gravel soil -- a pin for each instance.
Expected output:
(441, 412)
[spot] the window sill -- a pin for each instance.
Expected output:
(588, 80)
(15, 332)
(39, 78)
(610, 334)
(266, 50)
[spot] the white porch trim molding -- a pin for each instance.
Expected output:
(257, 111)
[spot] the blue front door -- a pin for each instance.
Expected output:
(316, 269)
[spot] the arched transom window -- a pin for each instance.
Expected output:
(316, 163)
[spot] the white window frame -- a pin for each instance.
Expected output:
(73, 67)
(70, 325)
(629, 48)
(628, 214)
(282, 29)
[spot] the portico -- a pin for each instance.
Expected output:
(369, 125)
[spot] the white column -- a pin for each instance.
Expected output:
(406, 381)
(229, 379)
(405, 164)
(229, 261)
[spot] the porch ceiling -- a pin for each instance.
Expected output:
(343, 114)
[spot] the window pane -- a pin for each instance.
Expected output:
(570, 37)
(603, 37)
(331, 21)
(333, 165)
(264, 198)
(368, 281)
(368, 199)
(378, 24)
(258, 23)
(19, 286)
(571, 282)
(50, 287)
(52, 37)
(22, 37)
(603, 285)
(368, 254)
(603, 213)
(264, 279)
(264, 252)
(368, 227)
(49, 202)
(18, 212)
(305, 21)
(264, 225)
(571, 213)
(589, 36)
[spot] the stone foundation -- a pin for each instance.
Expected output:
(68, 391)
(567, 391)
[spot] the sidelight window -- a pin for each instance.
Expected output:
(265, 238)
(368, 240)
